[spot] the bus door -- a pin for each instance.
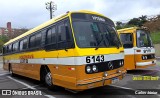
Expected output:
(128, 44)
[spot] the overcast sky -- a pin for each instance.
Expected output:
(30, 13)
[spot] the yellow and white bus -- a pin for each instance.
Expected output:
(138, 48)
(78, 50)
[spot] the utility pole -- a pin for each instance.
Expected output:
(52, 7)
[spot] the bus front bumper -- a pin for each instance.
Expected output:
(100, 81)
(141, 64)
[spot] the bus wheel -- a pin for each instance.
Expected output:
(10, 70)
(48, 80)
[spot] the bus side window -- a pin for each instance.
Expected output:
(38, 39)
(32, 41)
(127, 40)
(15, 47)
(51, 39)
(10, 48)
(61, 33)
(69, 36)
(43, 32)
(65, 39)
(23, 44)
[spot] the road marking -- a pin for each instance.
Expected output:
(123, 87)
(4, 74)
(130, 96)
(28, 86)
(32, 86)
(49, 96)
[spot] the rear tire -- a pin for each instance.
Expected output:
(11, 71)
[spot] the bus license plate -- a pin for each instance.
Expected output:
(114, 80)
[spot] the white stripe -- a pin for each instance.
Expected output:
(70, 60)
(123, 87)
(130, 96)
(49, 96)
(28, 86)
(133, 51)
(129, 51)
(25, 84)
(145, 63)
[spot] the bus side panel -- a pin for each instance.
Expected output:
(27, 70)
(129, 62)
(64, 75)
(31, 70)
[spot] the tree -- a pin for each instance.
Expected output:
(119, 25)
(143, 19)
(4, 38)
(138, 21)
(134, 21)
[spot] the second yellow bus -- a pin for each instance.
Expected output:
(138, 47)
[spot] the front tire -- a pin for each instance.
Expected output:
(48, 80)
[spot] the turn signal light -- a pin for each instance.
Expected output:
(138, 50)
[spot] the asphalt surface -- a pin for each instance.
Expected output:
(125, 88)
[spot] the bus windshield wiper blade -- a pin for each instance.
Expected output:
(116, 44)
(99, 43)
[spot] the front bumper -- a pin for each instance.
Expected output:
(99, 81)
(153, 62)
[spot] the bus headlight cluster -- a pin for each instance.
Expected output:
(88, 69)
(91, 69)
(121, 62)
(144, 57)
(94, 68)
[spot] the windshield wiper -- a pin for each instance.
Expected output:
(99, 43)
(116, 43)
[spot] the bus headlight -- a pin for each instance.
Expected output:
(94, 68)
(122, 62)
(143, 57)
(88, 69)
(105, 74)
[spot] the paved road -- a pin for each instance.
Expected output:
(123, 89)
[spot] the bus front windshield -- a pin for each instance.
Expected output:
(143, 39)
(95, 34)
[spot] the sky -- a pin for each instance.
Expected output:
(31, 13)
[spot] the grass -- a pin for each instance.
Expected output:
(155, 37)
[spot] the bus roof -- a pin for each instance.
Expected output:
(126, 29)
(49, 23)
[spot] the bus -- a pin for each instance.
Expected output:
(77, 50)
(138, 48)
